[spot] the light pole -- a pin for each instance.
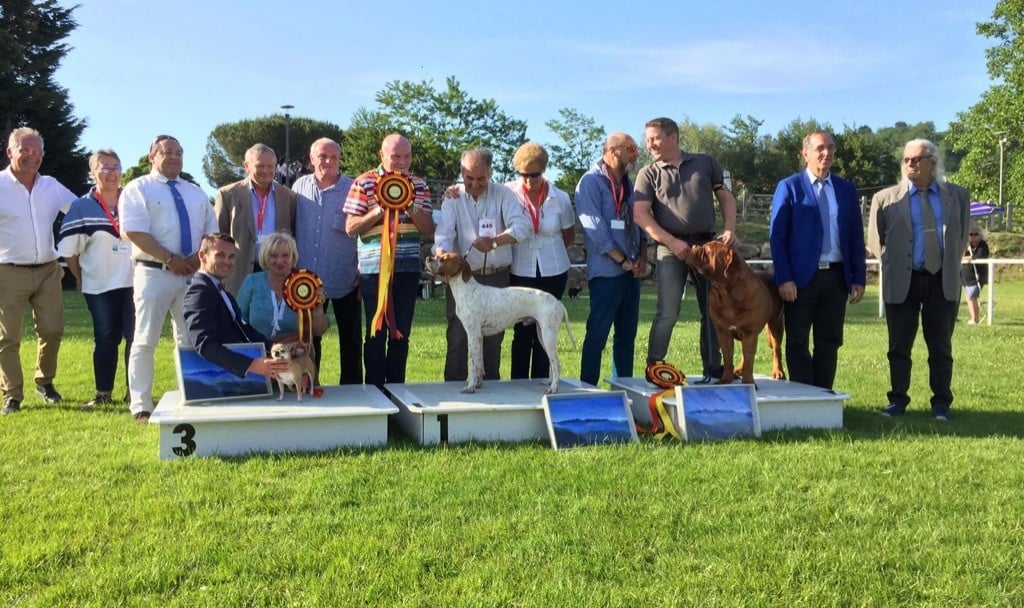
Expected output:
(288, 143)
(1002, 145)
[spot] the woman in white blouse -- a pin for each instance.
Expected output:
(540, 261)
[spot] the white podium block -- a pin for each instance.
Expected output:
(781, 404)
(503, 410)
(345, 416)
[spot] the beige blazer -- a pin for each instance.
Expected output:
(233, 207)
(891, 238)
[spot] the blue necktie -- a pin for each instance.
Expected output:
(186, 229)
(826, 218)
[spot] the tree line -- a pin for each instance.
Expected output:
(442, 121)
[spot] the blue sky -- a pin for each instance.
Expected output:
(138, 69)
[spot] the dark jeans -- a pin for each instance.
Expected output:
(821, 307)
(348, 316)
(926, 301)
(614, 301)
(384, 357)
(113, 317)
(526, 343)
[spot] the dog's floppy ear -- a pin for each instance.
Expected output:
(729, 256)
(467, 272)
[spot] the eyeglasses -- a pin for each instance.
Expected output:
(913, 160)
(629, 148)
(975, 234)
(105, 169)
(531, 175)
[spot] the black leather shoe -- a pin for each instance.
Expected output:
(48, 393)
(12, 407)
(141, 417)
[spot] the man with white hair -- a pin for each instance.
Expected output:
(918, 229)
(29, 272)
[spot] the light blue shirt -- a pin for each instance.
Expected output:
(603, 228)
(918, 223)
(324, 248)
(269, 215)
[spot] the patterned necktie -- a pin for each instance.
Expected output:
(932, 257)
(183, 223)
(826, 217)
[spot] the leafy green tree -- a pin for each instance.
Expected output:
(581, 143)
(998, 114)
(227, 143)
(31, 49)
(865, 158)
(705, 138)
(440, 124)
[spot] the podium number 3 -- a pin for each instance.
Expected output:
(188, 445)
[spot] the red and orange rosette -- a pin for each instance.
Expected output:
(667, 377)
(395, 193)
(301, 294)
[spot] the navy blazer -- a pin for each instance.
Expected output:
(795, 231)
(211, 326)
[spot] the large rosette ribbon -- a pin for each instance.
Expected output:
(301, 294)
(395, 193)
(667, 377)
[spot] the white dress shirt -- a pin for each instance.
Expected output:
(26, 218)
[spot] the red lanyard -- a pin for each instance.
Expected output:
(263, 207)
(619, 195)
(533, 209)
(112, 216)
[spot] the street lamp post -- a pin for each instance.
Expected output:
(1003, 142)
(288, 143)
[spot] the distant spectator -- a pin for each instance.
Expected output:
(974, 276)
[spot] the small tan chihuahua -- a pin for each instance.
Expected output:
(300, 367)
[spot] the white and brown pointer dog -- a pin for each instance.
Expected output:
(485, 311)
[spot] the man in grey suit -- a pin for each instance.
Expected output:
(918, 229)
(253, 208)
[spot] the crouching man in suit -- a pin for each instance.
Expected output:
(212, 315)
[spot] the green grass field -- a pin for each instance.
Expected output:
(883, 512)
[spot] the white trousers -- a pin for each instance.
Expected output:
(157, 292)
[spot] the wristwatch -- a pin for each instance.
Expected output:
(626, 264)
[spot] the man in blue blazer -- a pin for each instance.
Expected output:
(817, 241)
(213, 318)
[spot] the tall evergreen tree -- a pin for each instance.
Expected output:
(31, 48)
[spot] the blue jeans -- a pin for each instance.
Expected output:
(384, 357)
(614, 301)
(113, 317)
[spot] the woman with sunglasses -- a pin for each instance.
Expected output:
(974, 276)
(540, 261)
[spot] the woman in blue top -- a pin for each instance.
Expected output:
(260, 296)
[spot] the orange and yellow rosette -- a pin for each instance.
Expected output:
(395, 193)
(667, 377)
(301, 289)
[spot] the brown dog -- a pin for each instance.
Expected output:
(300, 367)
(741, 303)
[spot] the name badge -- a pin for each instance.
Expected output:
(259, 238)
(488, 227)
(618, 224)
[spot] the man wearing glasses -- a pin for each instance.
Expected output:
(29, 272)
(480, 220)
(616, 257)
(817, 241)
(918, 229)
(165, 218)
